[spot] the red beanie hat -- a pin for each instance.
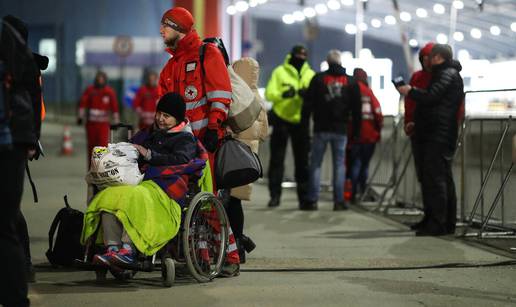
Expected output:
(426, 49)
(179, 19)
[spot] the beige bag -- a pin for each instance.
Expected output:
(245, 107)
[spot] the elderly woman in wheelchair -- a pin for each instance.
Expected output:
(163, 215)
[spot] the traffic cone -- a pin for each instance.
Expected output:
(67, 148)
(348, 190)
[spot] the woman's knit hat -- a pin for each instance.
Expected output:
(173, 104)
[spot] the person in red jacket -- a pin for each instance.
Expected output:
(97, 103)
(145, 100)
(362, 150)
(205, 88)
(420, 79)
(207, 92)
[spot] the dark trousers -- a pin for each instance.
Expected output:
(418, 155)
(438, 188)
(236, 216)
(23, 236)
(13, 283)
(298, 133)
(360, 156)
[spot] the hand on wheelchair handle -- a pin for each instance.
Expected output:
(211, 140)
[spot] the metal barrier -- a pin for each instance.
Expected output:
(394, 156)
(502, 224)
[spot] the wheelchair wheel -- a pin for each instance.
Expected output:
(168, 272)
(205, 236)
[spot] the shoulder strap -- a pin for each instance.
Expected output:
(202, 51)
(53, 229)
(32, 185)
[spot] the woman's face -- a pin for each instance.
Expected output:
(164, 120)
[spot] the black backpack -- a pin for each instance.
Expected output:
(66, 247)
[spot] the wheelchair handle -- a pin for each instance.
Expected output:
(114, 127)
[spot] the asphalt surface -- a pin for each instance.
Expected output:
(320, 258)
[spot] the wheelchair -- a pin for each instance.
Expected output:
(200, 244)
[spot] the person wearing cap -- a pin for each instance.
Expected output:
(420, 79)
(168, 142)
(97, 103)
(436, 133)
(362, 149)
(207, 92)
(332, 98)
(285, 90)
(146, 99)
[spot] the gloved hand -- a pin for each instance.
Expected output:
(79, 121)
(291, 92)
(210, 140)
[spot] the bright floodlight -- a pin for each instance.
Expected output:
(495, 30)
(413, 42)
(363, 26)
(441, 38)
(458, 4)
(376, 23)
(513, 26)
(347, 2)
(321, 8)
(476, 33)
(231, 10)
(298, 16)
(421, 13)
(253, 3)
(288, 19)
(262, 1)
(439, 8)
(390, 20)
(309, 12)
(458, 36)
(333, 5)
(242, 6)
(405, 16)
(350, 29)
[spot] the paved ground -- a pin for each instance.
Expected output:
(303, 258)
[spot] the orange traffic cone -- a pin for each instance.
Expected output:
(67, 148)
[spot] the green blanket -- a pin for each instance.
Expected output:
(148, 215)
(146, 212)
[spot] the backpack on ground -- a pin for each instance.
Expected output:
(66, 247)
(245, 107)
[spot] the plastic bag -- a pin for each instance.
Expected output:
(114, 165)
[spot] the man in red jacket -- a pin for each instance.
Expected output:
(205, 88)
(420, 79)
(146, 99)
(207, 92)
(362, 150)
(97, 103)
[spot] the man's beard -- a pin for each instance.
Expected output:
(172, 42)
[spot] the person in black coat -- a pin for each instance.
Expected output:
(436, 133)
(332, 98)
(20, 126)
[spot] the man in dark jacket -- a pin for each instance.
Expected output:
(19, 123)
(331, 97)
(436, 133)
